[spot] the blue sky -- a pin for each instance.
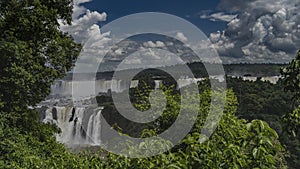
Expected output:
(190, 10)
(251, 31)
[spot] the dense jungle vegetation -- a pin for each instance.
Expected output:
(34, 53)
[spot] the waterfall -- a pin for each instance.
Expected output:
(49, 117)
(79, 125)
(65, 88)
(157, 84)
(134, 83)
(94, 127)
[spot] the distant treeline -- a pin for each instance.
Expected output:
(198, 70)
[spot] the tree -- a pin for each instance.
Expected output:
(291, 75)
(34, 52)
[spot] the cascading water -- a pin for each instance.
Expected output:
(65, 88)
(157, 84)
(94, 128)
(79, 125)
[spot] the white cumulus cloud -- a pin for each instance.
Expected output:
(180, 36)
(220, 16)
(262, 31)
(85, 30)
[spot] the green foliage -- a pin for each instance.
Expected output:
(269, 102)
(293, 121)
(36, 148)
(236, 143)
(34, 52)
(291, 74)
(260, 99)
